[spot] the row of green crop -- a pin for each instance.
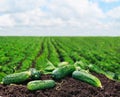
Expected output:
(32, 54)
(62, 54)
(99, 51)
(19, 51)
(74, 55)
(53, 55)
(41, 60)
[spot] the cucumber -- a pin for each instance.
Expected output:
(49, 66)
(117, 77)
(40, 84)
(87, 77)
(80, 65)
(96, 69)
(35, 74)
(110, 75)
(16, 78)
(61, 72)
(62, 64)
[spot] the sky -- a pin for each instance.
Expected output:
(59, 17)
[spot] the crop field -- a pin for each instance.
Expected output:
(18, 54)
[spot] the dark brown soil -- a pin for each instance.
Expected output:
(67, 87)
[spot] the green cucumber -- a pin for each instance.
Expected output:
(96, 69)
(117, 77)
(110, 75)
(80, 65)
(35, 74)
(16, 78)
(40, 84)
(61, 72)
(63, 64)
(87, 77)
(49, 66)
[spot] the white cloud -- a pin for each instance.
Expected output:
(75, 9)
(114, 13)
(58, 16)
(25, 18)
(12, 6)
(85, 8)
(61, 13)
(109, 1)
(6, 20)
(4, 5)
(28, 4)
(36, 17)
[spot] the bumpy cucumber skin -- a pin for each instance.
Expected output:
(61, 72)
(35, 74)
(16, 78)
(86, 77)
(40, 84)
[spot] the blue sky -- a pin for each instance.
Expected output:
(60, 17)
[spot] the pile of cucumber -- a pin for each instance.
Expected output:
(31, 74)
(63, 70)
(76, 73)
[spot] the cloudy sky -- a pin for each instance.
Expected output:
(60, 17)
